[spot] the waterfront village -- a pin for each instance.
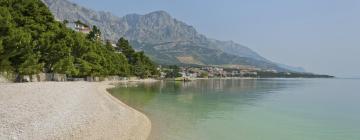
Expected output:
(192, 72)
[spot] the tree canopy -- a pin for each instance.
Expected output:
(32, 41)
(140, 65)
(174, 72)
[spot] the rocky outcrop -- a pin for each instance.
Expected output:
(162, 37)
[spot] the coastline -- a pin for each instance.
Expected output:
(67, 110)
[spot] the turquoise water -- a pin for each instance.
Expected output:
(262, 109)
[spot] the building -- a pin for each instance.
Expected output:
(248, 73)
(79, 27)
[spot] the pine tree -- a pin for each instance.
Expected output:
(124, 46)
(66, 66)
(30, 65)
(95, 34)
(31, 41)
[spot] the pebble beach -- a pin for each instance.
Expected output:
(67, 110)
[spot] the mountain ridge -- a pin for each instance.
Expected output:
(163, 38)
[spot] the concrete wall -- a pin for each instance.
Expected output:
(42, 77)
(59, 77)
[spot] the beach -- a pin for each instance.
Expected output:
(67, 110)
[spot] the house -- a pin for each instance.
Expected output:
(79, 27)
(235, 73)
(247, 73)
(113, 45)
(183, 74)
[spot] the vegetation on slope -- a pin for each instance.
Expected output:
(31, 41)
(163, 38)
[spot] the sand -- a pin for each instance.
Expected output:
(67, 110)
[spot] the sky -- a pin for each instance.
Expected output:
(322, 36)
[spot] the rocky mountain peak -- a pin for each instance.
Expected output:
(162, 37)
(159, 13)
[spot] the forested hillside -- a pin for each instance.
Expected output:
(31, 41)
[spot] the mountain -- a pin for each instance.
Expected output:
(165, 39)
(292, 68)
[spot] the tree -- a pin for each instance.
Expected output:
(66, 66)
(109, 46)
(80, 46)
(141, 65)
(84, 67)
(31, 64)
(5, 21)
(32, 41)
(94, 34)
(5, 26)
(124, 46)
(174, 72)
(65, 22)
(19, 51)
(1, 48)
(204, 75)
(5, 64)
(54, 48)
(94, 60)
(121, 66)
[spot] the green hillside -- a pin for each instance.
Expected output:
(31, 41)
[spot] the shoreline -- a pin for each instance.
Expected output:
(247, 78)
(68, 110)
(146, 129)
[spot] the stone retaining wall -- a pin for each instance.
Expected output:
(42, 77)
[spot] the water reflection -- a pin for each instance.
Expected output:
(176, 109)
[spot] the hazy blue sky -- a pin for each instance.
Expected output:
(322, 36)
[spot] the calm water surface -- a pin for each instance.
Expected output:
(262, 109)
